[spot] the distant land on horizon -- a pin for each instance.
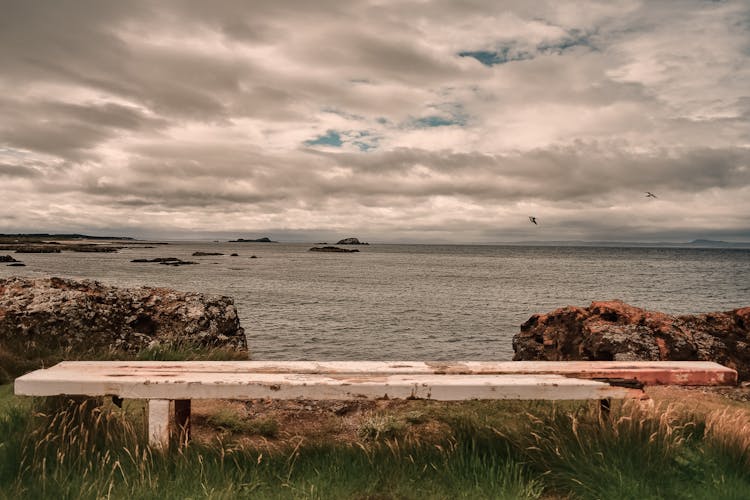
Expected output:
(696, 243)
(63, 236)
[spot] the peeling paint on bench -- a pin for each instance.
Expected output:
(446, 381)
(648, 372)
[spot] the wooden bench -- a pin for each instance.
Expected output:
(163, 382)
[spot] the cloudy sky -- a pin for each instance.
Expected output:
(424, 121)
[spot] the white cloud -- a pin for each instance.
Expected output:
(330, 116)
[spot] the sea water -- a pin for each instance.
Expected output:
(440, 302)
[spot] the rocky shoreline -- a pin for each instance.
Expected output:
(57, 243)
(613, 330)
(53, 314)
(57, 314)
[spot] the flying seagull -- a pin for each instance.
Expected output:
(649, 194)
(533, 219)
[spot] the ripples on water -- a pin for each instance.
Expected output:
(414, 301)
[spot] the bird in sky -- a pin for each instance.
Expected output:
(533, 219)
(649, 194)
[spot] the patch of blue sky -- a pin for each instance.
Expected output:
(502, 55)
(363, 140)
(449, 114)
(330, 138)
(366, 146)
(575, 38)
(510, 52)
(435, 121)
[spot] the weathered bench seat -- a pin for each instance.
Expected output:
(162, 382)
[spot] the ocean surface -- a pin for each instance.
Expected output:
(434, 302)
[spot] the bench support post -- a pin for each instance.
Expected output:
(158, 423)
(604, 406)
(182, 419)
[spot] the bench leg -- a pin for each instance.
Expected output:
(182, 419)
(604, 407)
(158, 423)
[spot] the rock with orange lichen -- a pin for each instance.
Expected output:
(52, 314)
(613, 330)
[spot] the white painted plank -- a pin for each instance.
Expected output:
(202, 385)
(649, 372)
(396, 366)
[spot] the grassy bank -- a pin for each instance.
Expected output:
(419, 449)
(690, 445)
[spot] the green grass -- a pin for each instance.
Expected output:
(377, 426)
(70, 449)
(231, 422)
(654, 455)
(80, 449)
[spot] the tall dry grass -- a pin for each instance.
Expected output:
(83, 449)
(80, 449)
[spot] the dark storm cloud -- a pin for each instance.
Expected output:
(578, 176)
(109, 48)
(67, 130)
(11, 171)
(65, 40)
(382, 57)
(555, 174)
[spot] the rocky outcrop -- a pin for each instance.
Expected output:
(49, 314)
(333, 249)
(7, 258)
(33, 249)
(59, 247)
(167, 261)
(617, 331)
(92, 248)
(259, 240)
(56, 243)
(350, 241)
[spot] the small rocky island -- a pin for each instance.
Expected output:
(333, 249)
(351, 241)
(167, 261)
(259, 240)
(615, 331)
(10, 261)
